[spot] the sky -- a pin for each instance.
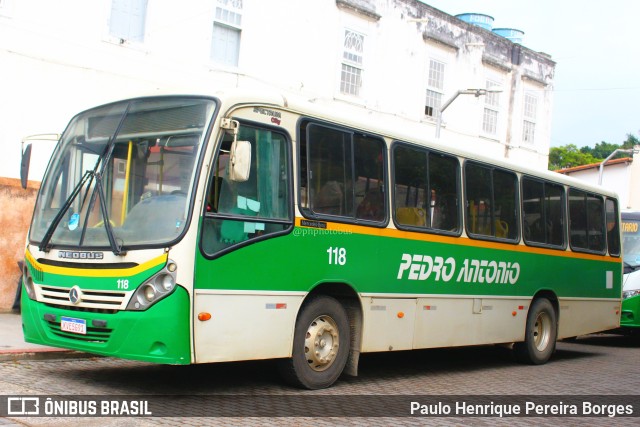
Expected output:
(596, 47)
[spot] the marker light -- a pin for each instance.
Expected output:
(27, 280)
(203, 317)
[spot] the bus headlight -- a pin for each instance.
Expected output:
(149, 292)
(166, 281)
(629, 294)
(154, 289)
(27, 281)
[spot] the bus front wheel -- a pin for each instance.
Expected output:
(320, 344)
(540, 334)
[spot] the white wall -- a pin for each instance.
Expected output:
(58, 58)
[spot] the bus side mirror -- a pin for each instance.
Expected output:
(24, 166)
(240, 161)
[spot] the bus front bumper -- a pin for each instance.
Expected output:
(630, 315)
(160, 334)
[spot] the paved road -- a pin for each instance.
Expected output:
(594, 365)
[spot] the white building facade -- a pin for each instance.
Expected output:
(399, 57)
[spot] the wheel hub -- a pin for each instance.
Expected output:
(321, 343)
(542, 331)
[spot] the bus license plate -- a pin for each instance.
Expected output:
(75, 326)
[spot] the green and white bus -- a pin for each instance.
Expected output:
(195, 229)
(630, 315)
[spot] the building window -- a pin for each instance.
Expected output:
(352, 61)
(529, 123)
(435, 88)
(227, 27)
(127, 21)
(491, 109)
(4, 7)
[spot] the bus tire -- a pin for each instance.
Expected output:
(541, 333)
(320, 345)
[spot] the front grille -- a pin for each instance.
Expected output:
(90, 299)
(82, 309)
(93, 335)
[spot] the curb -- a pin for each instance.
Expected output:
(42, 354)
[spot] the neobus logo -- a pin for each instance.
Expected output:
(80, 255)
(421, 267)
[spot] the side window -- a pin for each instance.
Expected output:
(342, 174)
(491, 205)
(241, 211)
(613, 227)
(587, 225)
(425, 189)
(542, 212)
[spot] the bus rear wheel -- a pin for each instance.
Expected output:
(540, 334)
(320, 345)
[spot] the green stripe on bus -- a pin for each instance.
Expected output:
(380, 264)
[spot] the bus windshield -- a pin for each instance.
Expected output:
(631, 243)
(122, 175)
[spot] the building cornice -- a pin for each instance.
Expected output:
(496, 63)
(439, 39)
(362, 7)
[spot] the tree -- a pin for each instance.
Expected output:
(601, 150)
(631, 141)
(568, 156)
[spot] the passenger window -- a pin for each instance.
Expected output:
(491, 202)
(613, 227)
(342, 174)
(587, 225)
(543, 212)
(425, 189)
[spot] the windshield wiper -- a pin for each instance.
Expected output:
(115, 247)
(88, 175)
(44, 244)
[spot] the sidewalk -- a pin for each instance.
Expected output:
(13, 346)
